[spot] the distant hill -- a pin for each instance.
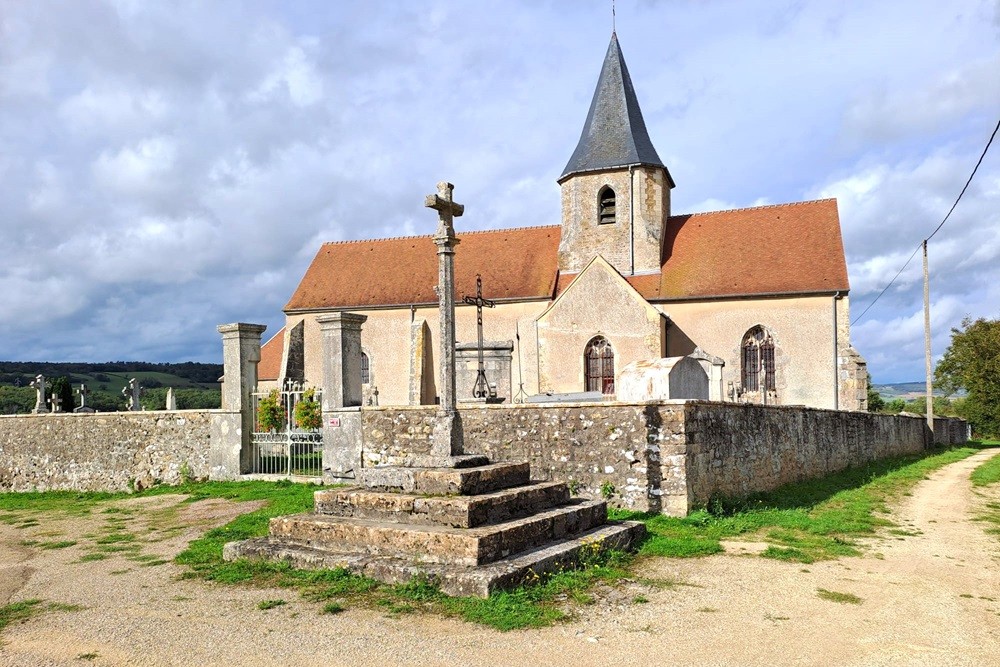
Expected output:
(907, 390)
(113, 375)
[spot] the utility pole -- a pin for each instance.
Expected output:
(927, 343)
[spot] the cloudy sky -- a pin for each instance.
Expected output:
(169, 166)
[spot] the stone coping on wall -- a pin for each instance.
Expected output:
(619, 404)
(122, 413)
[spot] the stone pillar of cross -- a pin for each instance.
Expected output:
(447, 437)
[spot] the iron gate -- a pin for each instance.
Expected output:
(283, 442)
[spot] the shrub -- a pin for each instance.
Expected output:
(308, 414)
(271, 413)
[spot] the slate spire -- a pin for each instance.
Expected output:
(614, 134)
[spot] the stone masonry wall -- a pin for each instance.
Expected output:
(103, 451)
(615, 446)
(737, 450)
(668, 457)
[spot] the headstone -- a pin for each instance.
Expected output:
(446, 439)
(83, 392)
(171, 399)
(131, 392)
(56, 402)
(38, 384)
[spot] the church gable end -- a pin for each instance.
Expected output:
(598, 303)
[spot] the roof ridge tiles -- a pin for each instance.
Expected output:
(754, 208)
(430, 236)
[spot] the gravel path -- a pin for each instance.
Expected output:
(931, 597)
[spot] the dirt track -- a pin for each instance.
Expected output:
(931, 597)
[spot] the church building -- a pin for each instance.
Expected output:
(757, 296)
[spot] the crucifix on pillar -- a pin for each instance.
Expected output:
(482, 388)
(446, 439)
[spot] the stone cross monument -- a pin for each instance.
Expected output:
(38, 384)
(446, 439)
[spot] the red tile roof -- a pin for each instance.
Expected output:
(781, 249)
(270, 356)
(515, 264)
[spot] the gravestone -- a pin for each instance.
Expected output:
(38, 384)
(132, 391)
(83, 392)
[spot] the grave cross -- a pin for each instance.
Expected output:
(83, 393)
(482, 388)
(56, 402)
(38, 384)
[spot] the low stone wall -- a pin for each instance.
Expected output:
(111, 451)
(667, 457)
(737, 450)
(610, 446)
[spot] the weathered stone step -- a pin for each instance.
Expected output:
(457, 511)
(453, 580)
(439, 544)
(442, 481)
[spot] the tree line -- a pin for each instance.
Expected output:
(12, 372)
(972, 363)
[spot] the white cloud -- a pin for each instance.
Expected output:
(137, 170)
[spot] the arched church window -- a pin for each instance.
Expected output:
(599, 365)
(758, 360)
(366, 374)
(606, 205)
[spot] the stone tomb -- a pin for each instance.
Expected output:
(471, 529)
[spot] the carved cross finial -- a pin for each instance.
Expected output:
(444, 204)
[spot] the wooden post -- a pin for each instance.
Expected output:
(927, 344)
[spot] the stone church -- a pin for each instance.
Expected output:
(757, 296)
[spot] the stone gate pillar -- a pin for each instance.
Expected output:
(342, 437)
(229, 454)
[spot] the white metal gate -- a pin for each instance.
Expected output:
(280, 444)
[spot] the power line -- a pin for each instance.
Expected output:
(940, 225)
(967, 182)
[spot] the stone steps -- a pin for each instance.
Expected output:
(467, 547)
(480, 581)
(468, 525)
(457, 511)
(442, 481)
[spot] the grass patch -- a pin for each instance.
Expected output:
(834, 596)
(18, 612)
(987, 473)
(89, 558)
(60, 544)
(21, 612)
(270, 604)
(333, 608)
(806, 522)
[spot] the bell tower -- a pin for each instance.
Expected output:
(615, 189)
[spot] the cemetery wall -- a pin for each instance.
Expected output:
(111, 451)
(668, 457)
(622, 449)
